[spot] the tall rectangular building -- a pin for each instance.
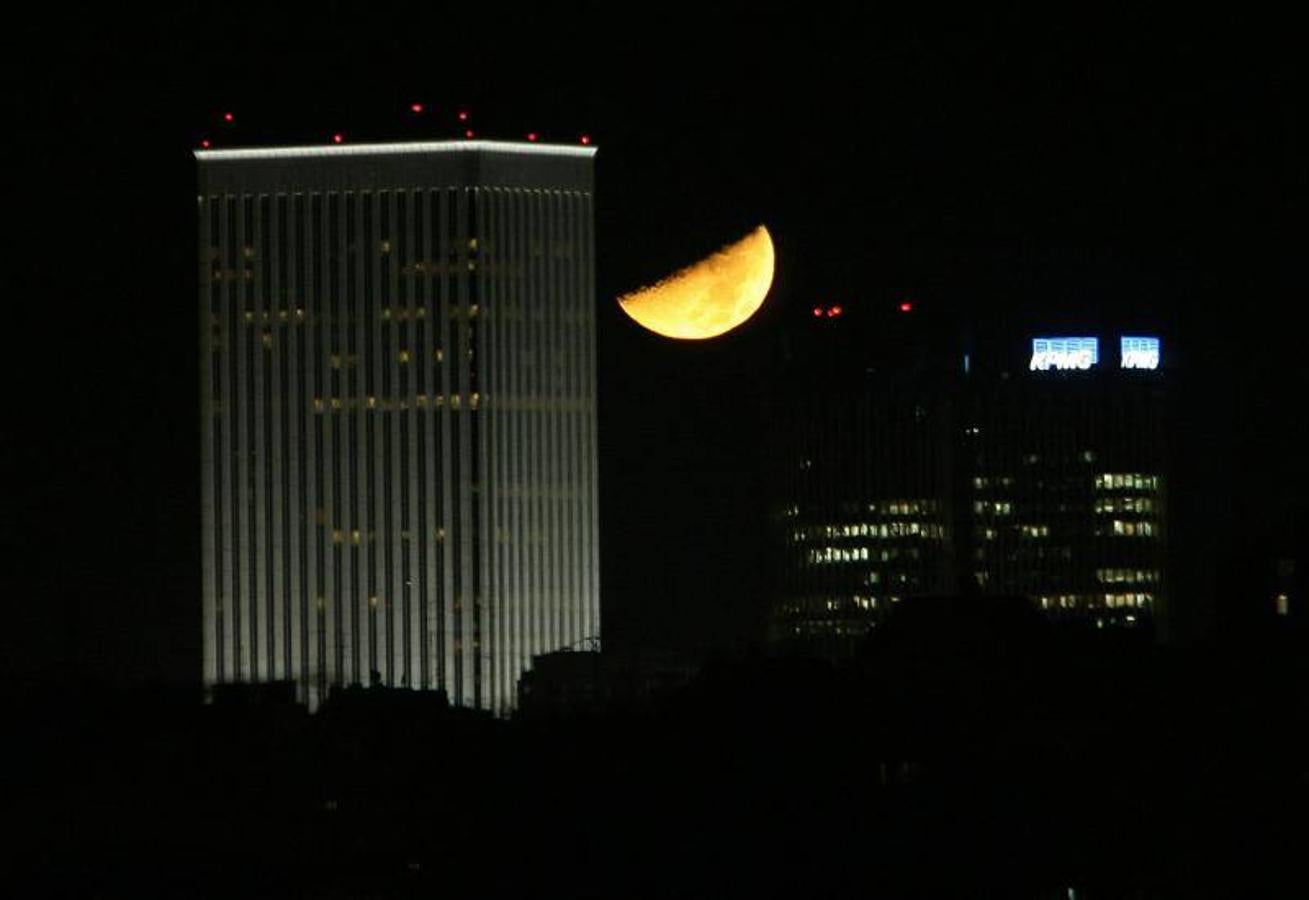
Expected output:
(398, 414)
(908, 471)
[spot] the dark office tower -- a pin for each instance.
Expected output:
(866, 468)
(905, 469)
(1068, 478)
(398, 414)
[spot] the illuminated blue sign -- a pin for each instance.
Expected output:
(1064, 353)
(1138, 353)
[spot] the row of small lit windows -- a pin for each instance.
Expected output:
(351, 360)
(869, 529)
(384, 247)
(830, 628)
(825, 555)
(416, 270)
(1124, 504)
(357, 537)
(811, 605)
(1121, 528)
(904, 507)
(422, 401)
(268, 316)
(1126, 480)
(388, 314)
(1128, 601)
(1027, 531)
(836, 555)
(998, 481)
(1080, 601)
(993, 507)
(1127, 576)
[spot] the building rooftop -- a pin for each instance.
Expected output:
(394, 147)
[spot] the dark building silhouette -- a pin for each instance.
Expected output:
(912, 465)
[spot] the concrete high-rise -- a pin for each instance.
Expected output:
(398, 414)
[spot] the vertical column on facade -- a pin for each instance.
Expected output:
(483, 590)
(591, 450)
(229, 595)
(532, 442)
(274, 356)
(428, 459)
(484, 361)
(241, 499)
(389, 605)
(290, 251)
(515, 398)
(466, 598)
(346, 264)
(373, 357)
(209, 409)
(257, 403)
(448, 491)
(570, 495)
(363, 361)
(311, 479)
(328, 461)
(356, 361)
(553, 346)
(409, 484)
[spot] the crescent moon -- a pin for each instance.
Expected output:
(710, 297)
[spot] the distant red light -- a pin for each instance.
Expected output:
(468, 133)
(205, 144)
(818, 311)
(531, 135)
(835, 311)
(586, 140)
(415, 107)
(338, 138)
(463, 115)
(228, 117)
(906, 306)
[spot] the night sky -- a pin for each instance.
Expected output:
(1014, 172)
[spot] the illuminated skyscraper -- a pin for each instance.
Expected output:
(398, 414)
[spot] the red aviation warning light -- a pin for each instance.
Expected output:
(463, 115)
(835, 311)
(415, 108)
(906, 306)
(228, 117)
(586, 140)
(468, 133)
(531, 135)
(818, 312)
(338, 138)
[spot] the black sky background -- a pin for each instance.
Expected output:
(1012, 172)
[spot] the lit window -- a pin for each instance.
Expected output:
(403, 356)
(1283, 605)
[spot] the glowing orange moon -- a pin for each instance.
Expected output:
(711, 297)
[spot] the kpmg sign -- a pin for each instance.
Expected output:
(1138, 353)
(1064, 353)
(1082, 353)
